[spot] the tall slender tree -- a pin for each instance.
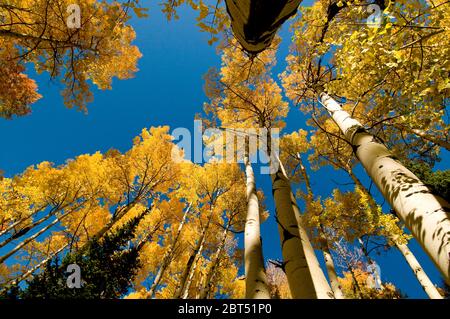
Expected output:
(425, 214)
(255, 274)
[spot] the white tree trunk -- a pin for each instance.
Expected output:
(326, 290)
(197, 259)
(168, 255)
(33, 237)
(424, 214)
(422, 277)
(305, 277)
(256, 286)
(193, 257)
(25, 275)
(331, 270)
(206, 287)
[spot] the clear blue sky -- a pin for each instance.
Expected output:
(166, 91)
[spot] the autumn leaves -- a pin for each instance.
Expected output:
(36, 32)
(94, 195)
(393, 85)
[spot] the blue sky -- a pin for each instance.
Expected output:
(168, 90)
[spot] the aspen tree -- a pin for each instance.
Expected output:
(208, 280)
(250, 97)
(422, 277)
(424, 214)
(168, 255)
(292, 146)
(255, 273)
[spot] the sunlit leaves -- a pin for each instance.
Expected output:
(37, 32)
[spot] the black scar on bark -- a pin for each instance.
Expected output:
(355, 148)
(288, 236)
(21, 232)
(425, 191)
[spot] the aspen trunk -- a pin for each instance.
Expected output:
(52, 212)
(29, 228)
(168, 255)
(197, 258)
(331, 270)
(305, 278)
(420, 274)
(33, 237)
(32, 270)
(424, 214)
(321, 285)
(187, 270)
(99, 234)
(305, 176)
(323, 289)
(208, 282)
(25, 230)
(256, 286)
(192, 258)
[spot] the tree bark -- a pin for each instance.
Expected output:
(427, 216)
(208, 282)
(305, 176)
(256, 286)
(193, 257)
(255, 22)
(168, 255)
(185, 293)
(16, 223)
(27, 229)
(306, 279)
(32, 270)
(33, 237)
(331, 270)
(315, 266)
(420, 274)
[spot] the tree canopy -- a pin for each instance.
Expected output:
(362, 95)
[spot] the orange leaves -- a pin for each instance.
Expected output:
(86, 222)
(358, 285)
(98, 51)
(150, 160)
(17, 91)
